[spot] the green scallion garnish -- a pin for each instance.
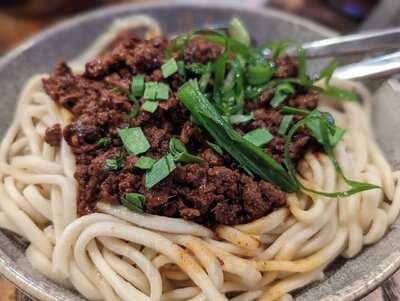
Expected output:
(216, 148)
(150, 106)
(169, 68)
(145, 162)
(134, 140)
(285, 123)
(238, 31)
(137, 85)
(323, 129)
(180, 152)
(150, 91)
(114, 164)
(282, 91)
(103, 142)
(133, 201)
(259, 137)
(162, 91)
(240, 118)
(259, 74)
(181, 68)
(294, 111)
(159, 171)
(251, 158)
(339, 93)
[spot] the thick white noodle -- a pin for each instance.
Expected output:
(117, 254)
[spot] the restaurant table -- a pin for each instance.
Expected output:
(18, 22)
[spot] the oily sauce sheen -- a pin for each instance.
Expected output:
(216, 191)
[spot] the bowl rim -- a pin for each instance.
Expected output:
(28, 287)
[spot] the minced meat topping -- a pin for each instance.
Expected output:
(215, 190)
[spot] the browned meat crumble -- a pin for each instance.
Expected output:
(216, 191)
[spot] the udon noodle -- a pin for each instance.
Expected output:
(117, 254)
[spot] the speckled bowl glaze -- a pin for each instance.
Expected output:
(346, 279)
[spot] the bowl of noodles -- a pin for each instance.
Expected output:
(151, 156)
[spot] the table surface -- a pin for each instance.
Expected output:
(16, 25)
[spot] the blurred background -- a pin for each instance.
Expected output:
(20, 19)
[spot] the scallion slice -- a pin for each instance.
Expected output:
(251, 158)
(137, 85)
(169, 68)
(259, 74)
(240, 118)
(180, 152)
(150, 91)
(133, 201)
(181, 68)
(282, 91)
(325, 132)
(216, 148)
(259, 137)
(159, 171)
(134, 140)
(335, 92)
(145, 162)
(115, 163)
(150, 106)
(162, 91)
(294, 111)
(103, 142)
(238, 31)
(285, 123)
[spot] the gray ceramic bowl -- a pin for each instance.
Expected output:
(346, 280)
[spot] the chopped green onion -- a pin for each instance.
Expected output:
(162, 91)
(302, 62)
(339, 93)
(282, 91)
(327, 72)
(103, 142)
(197, 68)
(155, 91)
(133, 113)
(150, 91)
(145, 162)
(285, 123)
(294, 111)
(219, 68)
(169, 68)
(240, 118)
(132, 98)
(253, 159)
(277, 49)
(159, 171)
(259, 74)
(322, 129)
(134, 140)
(181, 68)
(238, 31)
(205, 77)
(133, 201)
(188, 158)
(216, 148)
(137, 85)
(178, 44)
(150, 106)
(259, 137)
(180, 152)
(115, 163)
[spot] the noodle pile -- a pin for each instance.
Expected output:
(117, 254)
